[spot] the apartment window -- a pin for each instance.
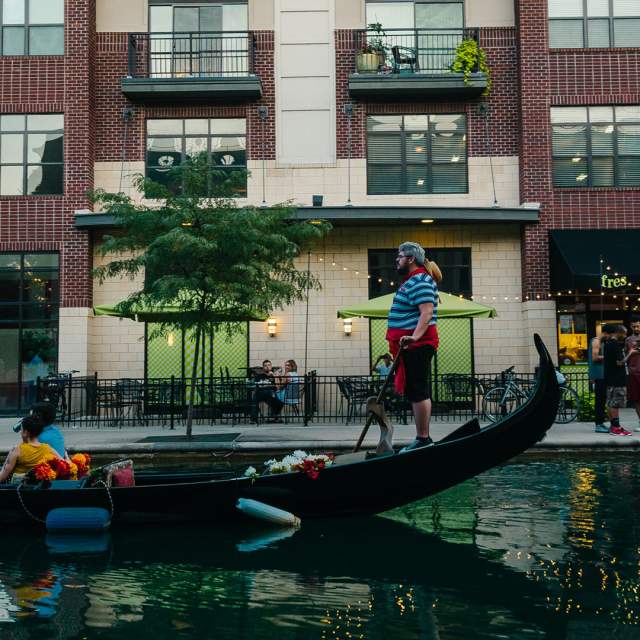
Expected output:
(223, 140)
(29, 302)
(32, 27)
(596, 146)
(594, 23)
(416, 154)
(31, 154)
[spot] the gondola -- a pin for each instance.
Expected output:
(368, 486)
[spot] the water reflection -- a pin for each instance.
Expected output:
(529, 550)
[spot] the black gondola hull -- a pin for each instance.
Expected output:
(360, 488)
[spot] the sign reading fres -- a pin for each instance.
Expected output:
(614, 282)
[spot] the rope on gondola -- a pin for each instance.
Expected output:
(24, 506)
(41, 521)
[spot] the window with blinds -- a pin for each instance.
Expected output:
(170, 142)
(596, 146)
(594, 23)
(409, 154)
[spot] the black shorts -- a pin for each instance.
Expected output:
(417, 366)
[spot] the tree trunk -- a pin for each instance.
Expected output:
(194, 375)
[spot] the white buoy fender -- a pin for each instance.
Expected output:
(268, 513)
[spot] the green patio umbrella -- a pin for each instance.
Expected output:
(169, 313)
(450, 306)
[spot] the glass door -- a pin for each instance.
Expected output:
(9, 369)
(198, 41)
(441, 30)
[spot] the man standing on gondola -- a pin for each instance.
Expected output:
(412, 328)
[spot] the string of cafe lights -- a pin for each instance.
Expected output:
(534, 295)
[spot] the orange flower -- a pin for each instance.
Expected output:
(81, 461)
(43, 471)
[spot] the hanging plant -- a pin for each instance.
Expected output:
(470, 58)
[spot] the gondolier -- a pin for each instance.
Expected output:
(412, 328)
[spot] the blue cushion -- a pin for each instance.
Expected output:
(78, 518)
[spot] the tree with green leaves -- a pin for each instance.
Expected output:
(206, 258)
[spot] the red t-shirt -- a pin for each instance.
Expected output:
(633, 363)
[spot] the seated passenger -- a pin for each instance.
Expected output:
(30, 453)
(50, 434)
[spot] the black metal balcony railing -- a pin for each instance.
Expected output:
(427, 51)
(191, 54)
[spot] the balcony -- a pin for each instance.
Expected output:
(401, 65)
(192, 67)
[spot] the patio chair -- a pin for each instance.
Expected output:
(461, 390)
(294, 396)
(404, 56)
(355, 390)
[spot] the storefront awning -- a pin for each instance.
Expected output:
(575, 259)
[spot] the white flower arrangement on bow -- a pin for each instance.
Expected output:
(297, 461)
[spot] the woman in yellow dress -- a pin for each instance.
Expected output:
(30, 452)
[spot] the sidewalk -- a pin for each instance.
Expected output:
(248, 439)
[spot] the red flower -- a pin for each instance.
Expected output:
(309, 467)
(61, 467)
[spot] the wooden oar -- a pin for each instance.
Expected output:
(372, 416)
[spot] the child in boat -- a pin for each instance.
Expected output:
(30, 452)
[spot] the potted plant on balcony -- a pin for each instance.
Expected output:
(372, 52)
(471, 58)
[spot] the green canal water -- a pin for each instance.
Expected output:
(534, 549)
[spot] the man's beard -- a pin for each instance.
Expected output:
(404, 270)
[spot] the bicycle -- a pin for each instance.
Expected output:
(500, 401)
(53, 391)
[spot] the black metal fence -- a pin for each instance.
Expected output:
(98, 402)
(191, 54)
(409, 50)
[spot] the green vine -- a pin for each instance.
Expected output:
(469, 59)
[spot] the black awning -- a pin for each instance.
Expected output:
(575, 259)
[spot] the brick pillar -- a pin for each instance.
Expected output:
(535, 141)
(79, 148)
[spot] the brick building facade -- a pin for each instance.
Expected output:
(306, 134)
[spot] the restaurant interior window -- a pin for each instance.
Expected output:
(594, 23)
(572, 336)
(29, 303)
(596, 146)
(455, 265)
(223, 140)
(32, 27)
(416, 154)
(31, 154)
(220, 353)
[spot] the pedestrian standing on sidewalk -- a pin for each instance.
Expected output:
(632, 349)
(596, 377)
(615, 376)
(412, 330)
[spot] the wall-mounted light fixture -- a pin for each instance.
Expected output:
(272, 327)
(347, 325)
